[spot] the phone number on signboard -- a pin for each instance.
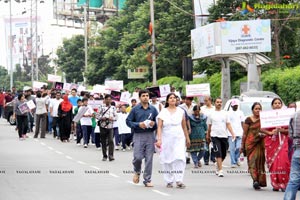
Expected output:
(246, 47)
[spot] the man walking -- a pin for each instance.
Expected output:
(107, 114)
(236, 118)
(218, 124)
(142, 120)
(294, 182)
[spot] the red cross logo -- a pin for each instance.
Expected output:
(245, 29)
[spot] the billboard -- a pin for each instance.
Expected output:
(231, 37)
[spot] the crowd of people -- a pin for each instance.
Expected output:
(177, 129)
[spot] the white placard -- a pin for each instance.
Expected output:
(80, 113)
(31, 104)
(67, 86)
(125, 97)
(81, 88)
(197, 90)
(164, 90)
(100, 89)
(38, 85)
(114, 85)
(54, 78)
(276, 118)
(95, 104)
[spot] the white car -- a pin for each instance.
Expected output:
(247, 99)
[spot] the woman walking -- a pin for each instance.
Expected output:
(21, 116)
(172, 139)
(277, 159)
(253, 146)
(197, 136)
(65, 119)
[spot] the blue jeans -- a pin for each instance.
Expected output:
(234, 148)
(86, 130)
(50, 119)
(294, 182)
(197, 156)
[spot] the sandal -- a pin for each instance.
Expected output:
(148, 184)
(170, 185)
(136, 178)
(180, 185)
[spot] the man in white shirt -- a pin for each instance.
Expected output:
(54, 103)
(237, 119)
(188, 105)
(207, 109)
(156, 104)
(218, 123)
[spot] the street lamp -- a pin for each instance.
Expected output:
(153, 43)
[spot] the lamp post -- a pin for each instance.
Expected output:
(85, 45)
(153, 43)
(11, 43)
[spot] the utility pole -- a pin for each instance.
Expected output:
(10, 45)
(153, 43)
(85, 46)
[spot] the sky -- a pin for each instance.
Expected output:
(52, 36)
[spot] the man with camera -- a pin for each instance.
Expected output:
(107, 114)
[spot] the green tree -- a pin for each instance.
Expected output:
(4, 78)
(71, 58)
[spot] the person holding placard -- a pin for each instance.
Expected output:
(276, 143)
(254, 148)
(21, 117)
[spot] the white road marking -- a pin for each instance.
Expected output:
(114, 175)
(94, 167)
(42, 143)
(59, 152)
(80, 162)
(161, 193)
(69, 157)
(50, 148)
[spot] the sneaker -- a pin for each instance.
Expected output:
(233, 166)
(217, 170)
(85, 146)
(123, 150)
(117, 148)
(104, 159)
(78, 144)
(220, 174)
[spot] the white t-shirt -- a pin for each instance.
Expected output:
(218, 120)
(86, 121)
(189, 110)
(157, 105)
(41, 105)
(236, 118)
(123, 128)
(54, 103)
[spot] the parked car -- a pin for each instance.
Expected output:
(247, 99)
(8, 113)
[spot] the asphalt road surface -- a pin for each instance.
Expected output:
(46, 169)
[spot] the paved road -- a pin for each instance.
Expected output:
(46, 169)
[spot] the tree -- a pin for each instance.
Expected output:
(4, 78)
(71, 58)
(124, 41)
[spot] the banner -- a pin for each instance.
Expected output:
(197, 90)
(276, 118)
(54, 78)
(114, 85)
(100, 89)
(80, 113)
(81, 88)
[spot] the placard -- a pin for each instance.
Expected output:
(164, 90)
(114, 85)
(24, 108)
(101, 89)
(154, 92)
(59, 85)
(115, 95)
(38, 85)
(31, 104)
(197, 90)
(95, 104)
(54, 78)
(81, 88)
(80, 113)
(125, 97)
(276, 118)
